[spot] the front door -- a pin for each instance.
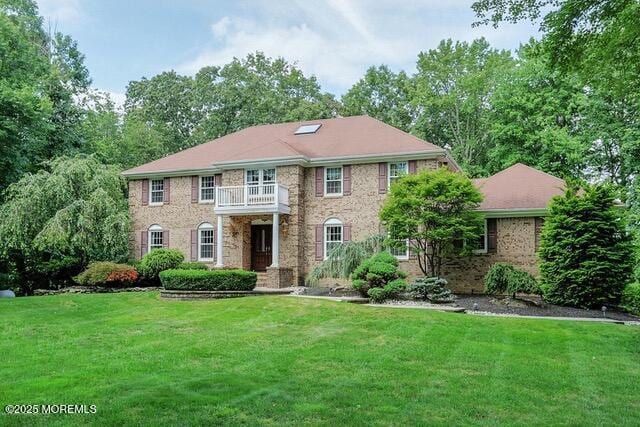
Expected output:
(260, 247)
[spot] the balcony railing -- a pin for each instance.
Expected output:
(251, 196)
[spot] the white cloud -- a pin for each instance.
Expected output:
(118, 99)
(336, 40)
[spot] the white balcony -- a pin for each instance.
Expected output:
(249, 199)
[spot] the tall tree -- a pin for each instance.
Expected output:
(534, 119)
(42, 76)
(256, 90)
(597, 38)
(381, 94)
(453, 86)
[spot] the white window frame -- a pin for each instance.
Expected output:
(205, 226)
(341, 180)
(331, 222)
(404, 257)
(155, 228)
(200, 188)
(151, 191)
(389, 177)
(486, 240)
(260, 185)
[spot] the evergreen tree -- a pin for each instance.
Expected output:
(586, 252)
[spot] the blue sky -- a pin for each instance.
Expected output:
(335, 40)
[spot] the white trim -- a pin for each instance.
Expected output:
(205, 226)
(208, 201)
(331, 222)
(341, 180)
(406, 162)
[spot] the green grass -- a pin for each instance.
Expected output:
(280, 360)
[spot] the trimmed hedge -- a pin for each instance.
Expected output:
(631, 298)
(209, 280)
(192, 265)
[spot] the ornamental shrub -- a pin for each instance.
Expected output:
(209, 280)
(432, 289)
(107, 274)
(503, 278)
(376, 272)
(159, 260)
(631, 298)
(193, 265)
(389, 291)
(586, 253)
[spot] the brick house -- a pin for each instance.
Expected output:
(275, 199)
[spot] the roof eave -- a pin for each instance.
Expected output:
(514, 212)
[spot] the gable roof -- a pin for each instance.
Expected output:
(348, 137)
(519, 187)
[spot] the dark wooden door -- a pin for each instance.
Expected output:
(261, 239)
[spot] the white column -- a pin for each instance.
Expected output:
(219, 241)
(275, 241)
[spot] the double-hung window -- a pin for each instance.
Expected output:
(206, 242)
(332, 235)
(333, 181)
(156, 237)
(397, 170)
(481, 244)
(207, 189)
(156, 195)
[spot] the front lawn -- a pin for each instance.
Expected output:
(281, 360)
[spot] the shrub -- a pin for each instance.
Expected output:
(586, 251)
(631, 298)
(376, 272)
(209, 280)
(193, 265)
(107, 274)
(504, 278)
(433, 289)
(159, 260)
(389, 291)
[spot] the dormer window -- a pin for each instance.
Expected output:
(306, 129)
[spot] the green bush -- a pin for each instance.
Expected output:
(631, 298)
(389, 291)
(586, 251)
(159, 260)
(107, 274)
(209, 280)
(504, 278)
(433, 289)
(376, 272)
(193, 265)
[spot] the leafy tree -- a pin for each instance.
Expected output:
(453, 87)
(535, 116)
(256, 90)
(586, 253)
(433, 210)
(57, 220)
(381, 94)
(41, 77)
(597, 38)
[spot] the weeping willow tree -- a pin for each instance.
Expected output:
(54, 222)
(344, 258)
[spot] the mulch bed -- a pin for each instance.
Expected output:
(506, 305)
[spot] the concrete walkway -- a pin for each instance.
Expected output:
(447, 308)
(354, 300)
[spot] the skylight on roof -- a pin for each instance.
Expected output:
(304, 129)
